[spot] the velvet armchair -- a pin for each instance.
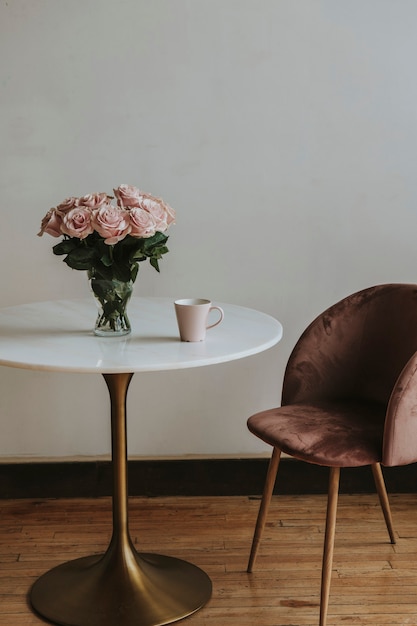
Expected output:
(349, 399)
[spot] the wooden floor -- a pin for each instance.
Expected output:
(374, 583)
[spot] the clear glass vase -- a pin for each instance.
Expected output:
(112, 297)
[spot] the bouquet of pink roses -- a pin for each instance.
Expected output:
(110, 240)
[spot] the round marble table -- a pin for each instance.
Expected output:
(122, 586)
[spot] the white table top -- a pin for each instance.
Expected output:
(58, 336)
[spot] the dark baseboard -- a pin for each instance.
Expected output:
(196, 477)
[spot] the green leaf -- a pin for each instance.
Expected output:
(107, 258)
(137, 256)
(82, 258)
(121, 272)
(157, 240)
(161, 250)
(65, 246)
(134, 271)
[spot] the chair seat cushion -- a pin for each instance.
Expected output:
(342, 434)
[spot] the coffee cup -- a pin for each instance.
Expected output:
(192, 318)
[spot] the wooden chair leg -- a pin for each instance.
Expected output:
(326, 573)
(383, 499)
(265, 502)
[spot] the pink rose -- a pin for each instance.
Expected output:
(127, 196)
(93, 200)
(171, 215)
(51, 224)
(77, 223)
(67, 205)
(157, 209)
(142, 223)
(111, 222)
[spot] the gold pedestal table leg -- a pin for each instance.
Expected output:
(121, 587)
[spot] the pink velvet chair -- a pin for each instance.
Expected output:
(349, 399)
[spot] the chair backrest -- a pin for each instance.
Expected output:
(362, 348)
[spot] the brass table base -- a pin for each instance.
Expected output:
(121, 587)
(151, 590)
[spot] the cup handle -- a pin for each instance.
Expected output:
(212, 308)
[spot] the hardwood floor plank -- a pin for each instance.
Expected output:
(374, 582)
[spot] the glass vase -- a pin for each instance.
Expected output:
(112, 297)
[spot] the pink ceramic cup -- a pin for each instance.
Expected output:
(192, 317)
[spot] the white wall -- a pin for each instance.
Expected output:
(282, 131)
